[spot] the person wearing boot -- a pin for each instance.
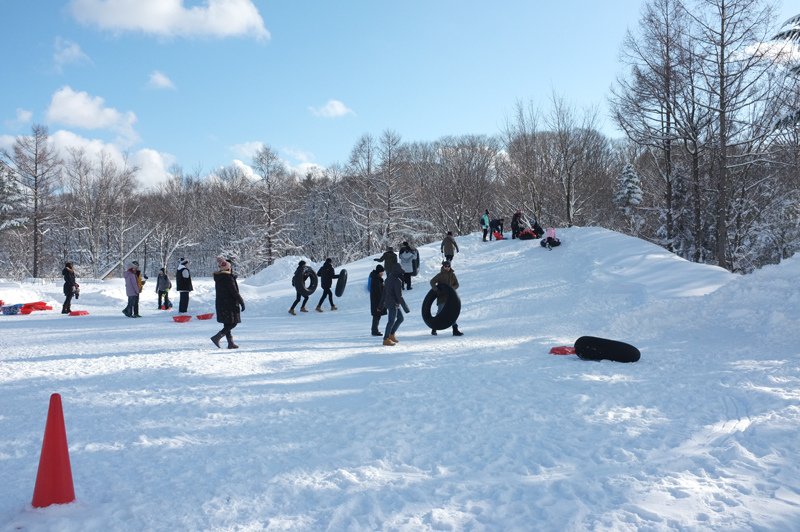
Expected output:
(70, 287)
(132, 290)
(183, 281)
(375, 296)
(445, 276)
(299, 282)
(163, 284)
(326, 276)
(392, 301)
(229, 304)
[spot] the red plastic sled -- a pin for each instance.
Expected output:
(562, 350)
(181, 319)
(498, 235)
(205, 316)
(79, 313)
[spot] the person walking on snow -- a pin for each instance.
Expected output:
(392, 300)
(132, 290)
(375, 297)
(229, 304)
(326, 276)
(389, 259)
(183, 280)
(299, 283)
(449, 247)
(407, 257)
(485, 224)
(70, 287)
(163, 284)
(445, 276)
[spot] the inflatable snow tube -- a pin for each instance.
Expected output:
(309, 273)
(593, 348)
(449, 314)
(341, 282)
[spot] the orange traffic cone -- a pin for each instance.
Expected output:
(54, 479)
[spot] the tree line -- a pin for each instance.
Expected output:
(709, 169)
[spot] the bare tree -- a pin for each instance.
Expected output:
(36, 168)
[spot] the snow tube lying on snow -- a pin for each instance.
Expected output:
(449, 314)
(341, 282)
(593, 348)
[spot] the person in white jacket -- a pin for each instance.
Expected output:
(408, 256)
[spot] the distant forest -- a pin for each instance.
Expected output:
(709, 168)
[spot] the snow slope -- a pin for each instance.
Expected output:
(313, 425)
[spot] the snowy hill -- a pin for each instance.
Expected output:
(313, 425)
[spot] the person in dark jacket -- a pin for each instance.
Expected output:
(183, 280)
(326, 276)
(299, 282)
(70, 287)
(516, 224)
(389, 259)
(445, 276)
(375, 297)
(449, 247)
(163, 284)
(228, 303)
(392, 301)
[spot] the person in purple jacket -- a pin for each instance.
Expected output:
(132, 290)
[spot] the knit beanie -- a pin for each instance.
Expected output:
(223, 264)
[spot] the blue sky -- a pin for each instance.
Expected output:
(202, 84)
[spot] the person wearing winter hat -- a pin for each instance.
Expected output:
(183, 280)
(229, 303)
(132, 290)
(163, 285)
(70, 287)
(299, 283)
(445, 276)
(375, 296)
(326, 276)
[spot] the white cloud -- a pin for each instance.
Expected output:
(159, 80)
(332, 109)
(170, 18)
(21, 118)
(152, 165)
(68, 53)
(247, 150)
(79, 109)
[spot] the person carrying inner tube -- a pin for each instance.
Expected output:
(445, 276)
(299, 281)
(326, 275)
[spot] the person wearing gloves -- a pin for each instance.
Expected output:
(229, 304)
(183, 280)
(326, 276)
(392, 302)
(299, 281)
(445, 276)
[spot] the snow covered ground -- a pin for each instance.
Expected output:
(313, 425)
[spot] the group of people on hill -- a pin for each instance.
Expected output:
(522, 227)
(386, 296)
(135, 281)
(326, 274)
